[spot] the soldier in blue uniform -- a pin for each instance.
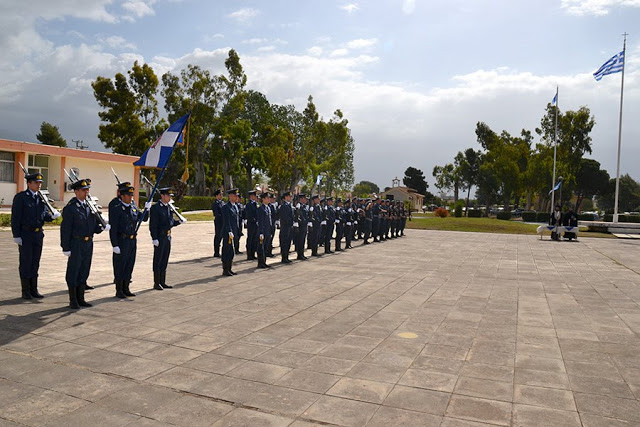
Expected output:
(230, 228)
(301, 225)
(315, 221)
(241, 217)
(123, 218)
(265, 223)
(349, 218)
(329, 222)
(28, 214)
(251, 217)
(273, 207)
(161, 221)
(368, 220)
(285, 216)
(76, 239)
(216, 207)
(340, 223)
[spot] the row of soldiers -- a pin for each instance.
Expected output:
(80, 222)
(307, 222)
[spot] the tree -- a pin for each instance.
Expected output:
(414, 178)
(130, 110)
(468, 165)
(446, 179)
(365, 189)
(50, 135)
(628, 197)
(590, 181)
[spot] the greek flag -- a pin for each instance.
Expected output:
(557, 187)
(157, 156)
(554, 101)
(613, 65)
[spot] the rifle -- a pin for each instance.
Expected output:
(43, 197)
(91, 202)
(171, 206)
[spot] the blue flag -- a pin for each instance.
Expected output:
(157, 156)
(613, 65)
(554, 101)
(557, 187)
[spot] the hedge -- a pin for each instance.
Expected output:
(474, 213)
(622, 218)
(529, 216)
(587, 217)
(504, 215)
(543, 217)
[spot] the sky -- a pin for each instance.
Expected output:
(413, 77)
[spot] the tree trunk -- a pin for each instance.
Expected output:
(529, 195)
(248, 169)
(456, 187)
(467, 202)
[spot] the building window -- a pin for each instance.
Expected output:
(38, 163)
(7, 163)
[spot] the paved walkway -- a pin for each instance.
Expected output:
(436, 329)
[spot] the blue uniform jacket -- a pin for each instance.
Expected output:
(285, 215)
(251, 213)
(27, 212)
(123, 220)
(77, 223)
(264, 221)
(161, 221)
(217, 211)
(230, 219)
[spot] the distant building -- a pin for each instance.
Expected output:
(404, 193)
(51, 161)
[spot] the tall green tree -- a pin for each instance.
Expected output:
(50, 135)
(628, 197)
(130, 110)
(365, 189)
(590, 181)
(468, 164)
(447, 179)
(414, 178)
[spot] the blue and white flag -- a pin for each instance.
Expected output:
(557, 187)
(554, 101)
(157, 156)
(613, 65)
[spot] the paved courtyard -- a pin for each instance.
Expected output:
(434, 329)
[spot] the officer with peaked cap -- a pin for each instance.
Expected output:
(161, 221)
(28, 215)
(264, 230)
(230, 229)
(301, 225)
(251, 218)
(76, 239)
(216, 207)
(285, 216)
(314, 224)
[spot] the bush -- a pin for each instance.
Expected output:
(441, 212)
(543, 217)
(587, 217)
(623, 218)
(458, 209)
(529, 216)
(196, 203)
(474, 213)
(504, 215)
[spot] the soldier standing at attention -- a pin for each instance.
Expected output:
(251, 216)
(115, 201)
(265, 222)
(230, 228)
(28, 214)
(273, 207)
(124, 221)
(285, 216)
(161, 221)
(76, 238)
(329, 219)
(340, 223)
(301, 224)
(315, 220)
(216, 207)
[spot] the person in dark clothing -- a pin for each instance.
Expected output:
(570, 219)
(301, 223)
(216, 207)
(230, 228)
(285, 216)
(28, 215)
(265, 223)
(251, 218)
(161, 221)
(556, 219)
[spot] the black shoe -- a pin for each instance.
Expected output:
(239, 253)
(87, 287)
(339, 250)
(33, 288)
(226, 273)
(301, 258)
(126, 290)
(73, 299)
(119, 291)
(80, 297)
(216, 255)
(26, 292)
(366, 243)
(158, 287)
(163, 280)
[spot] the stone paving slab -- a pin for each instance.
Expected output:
(435, 329)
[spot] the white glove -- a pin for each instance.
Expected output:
(310, 225)
(355, 222)
(18, 240)
(350, 210)
(298, 206)
(311, 209)
(337, 221)
(323, 223)
(325, 208)
(348, 223)
(262, 237)
(295, 224)
(147, 205)
(107, 228)
(116, 250)
(55, 215)
(231, 234)
(277, 223)
(66, 253)
(338, 208)
(244, 221)
(156, 242)
(182, 221)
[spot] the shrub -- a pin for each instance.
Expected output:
(504, 215)
(474, 213)
(529, 216)
(623, 218)
(587, 217)
(196, 203)
(542, 217)
(441, 212)
(458, 209)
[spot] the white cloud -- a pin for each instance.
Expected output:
(339, 52)
(315, 51)
(139, 8)
(269, 48)
(362, 43)
(255, 41)
(408, 6)
(595, 7)
(350, 8)
(244, 15)
(117, 42)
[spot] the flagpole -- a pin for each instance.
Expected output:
(555, 146)
(624, 59)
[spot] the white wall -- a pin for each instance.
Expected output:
(103, 183)
(7, 191)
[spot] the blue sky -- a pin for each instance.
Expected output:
(412, 77)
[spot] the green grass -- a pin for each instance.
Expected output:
(482, 225)
(204, 216)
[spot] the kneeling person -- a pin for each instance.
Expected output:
(76, 238)
(161, 221)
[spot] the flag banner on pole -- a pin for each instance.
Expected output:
(557, 187)
(319, 179)
(554, 101)
(157, 156)
(613, 65)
